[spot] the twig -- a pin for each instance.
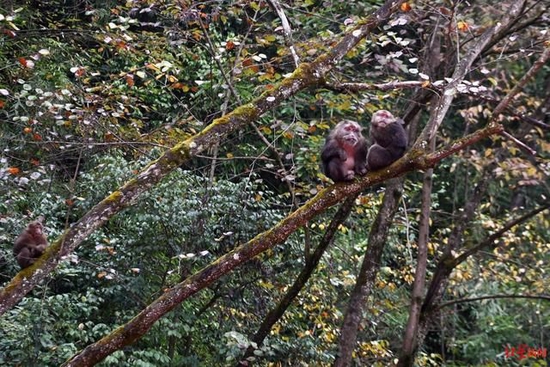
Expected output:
(523, 81)
(495, 296)
(287, 31)
(394, 84)
(519, 143)
(492, 238)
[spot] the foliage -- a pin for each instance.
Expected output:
(91, 92)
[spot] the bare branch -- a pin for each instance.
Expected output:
(462, 69)
(462, 143)
(360, 87)
(523, 81)
(492, 238)
(495, 296)
(275, 314)
(287, 31)
(519, 143)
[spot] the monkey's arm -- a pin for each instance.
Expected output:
(20, 243)
(333, 150)
(39, 249)
(398, 143)
(360, 157)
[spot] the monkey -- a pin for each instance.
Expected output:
(30, 244)
(388, 138)
(345, 152)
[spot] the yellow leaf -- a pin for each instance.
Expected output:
(462, 26)
(152, 67)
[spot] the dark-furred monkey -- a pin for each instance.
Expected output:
(30, 244)
(344, 154)
(388, 139)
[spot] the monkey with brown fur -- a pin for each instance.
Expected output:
(30, 244)
(388, 138)
(345, 152)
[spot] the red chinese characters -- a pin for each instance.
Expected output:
(523, 351)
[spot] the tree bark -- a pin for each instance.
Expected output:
(409, 339)
(369, 270)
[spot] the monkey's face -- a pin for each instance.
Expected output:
(35, 228)
(349, 132)
(382, 118)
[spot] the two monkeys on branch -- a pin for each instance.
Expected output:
(345, 152)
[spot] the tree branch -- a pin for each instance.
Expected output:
(287, 31)
(462, 69)
(495, 296)
(492, 238)
(522, 82)
(361, 87)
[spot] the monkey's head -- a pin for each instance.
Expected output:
(36, 228)
(348, 132)
(382, 118)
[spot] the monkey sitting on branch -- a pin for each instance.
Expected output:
(30, 244)
(388, 138)
(344, 154)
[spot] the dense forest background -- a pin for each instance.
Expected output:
(173, 149)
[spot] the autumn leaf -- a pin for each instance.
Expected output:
(9, 33)
(130, 80)
(14, 170)
(462, 26)
(29, 64)
(121, 45)
(152, 67)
